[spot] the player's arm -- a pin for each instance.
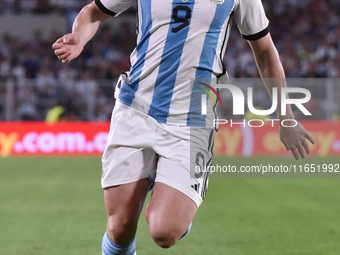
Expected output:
(269, 66)
(84, 28)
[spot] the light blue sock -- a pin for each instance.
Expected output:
(110, 248)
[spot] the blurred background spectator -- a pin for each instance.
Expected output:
(33, 81)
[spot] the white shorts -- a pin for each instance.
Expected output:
(140, 147)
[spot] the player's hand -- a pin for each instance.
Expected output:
(68, 47)
(294, 139)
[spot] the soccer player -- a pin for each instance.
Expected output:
(149, 139)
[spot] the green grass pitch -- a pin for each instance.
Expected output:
(55, 206)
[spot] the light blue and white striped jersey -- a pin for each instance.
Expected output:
(179, 41)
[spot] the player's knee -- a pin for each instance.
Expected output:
(164, 237)
(120, 230)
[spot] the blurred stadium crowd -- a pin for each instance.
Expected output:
(306, 34)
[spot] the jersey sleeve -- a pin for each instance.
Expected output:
(113, 7)
(251, 19)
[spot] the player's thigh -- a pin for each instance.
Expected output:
(126, 201)
(174, 200)
(170, 212)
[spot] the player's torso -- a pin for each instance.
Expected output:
(177, 42)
